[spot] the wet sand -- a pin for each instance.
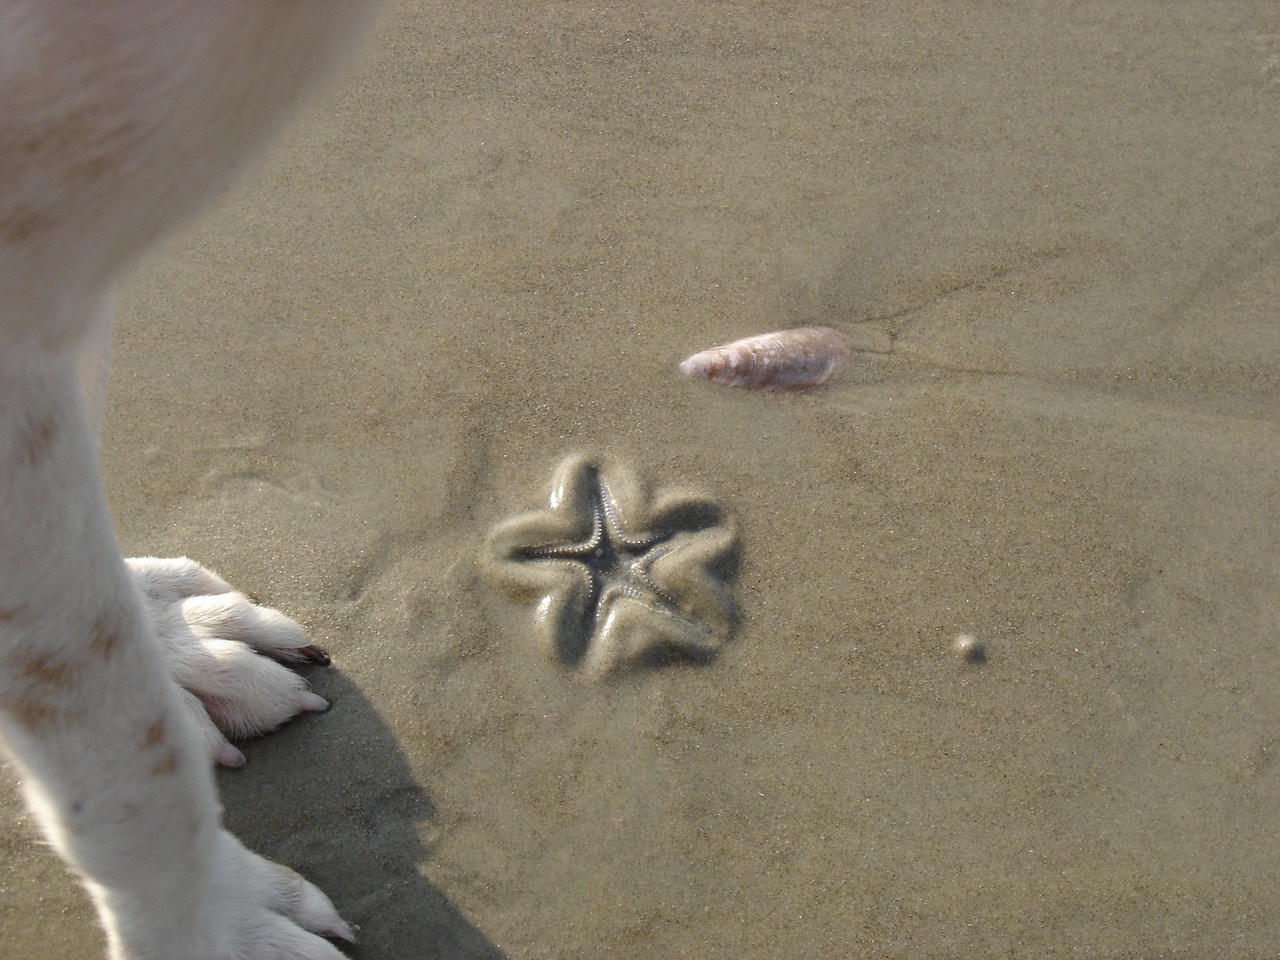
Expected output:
(490, 249)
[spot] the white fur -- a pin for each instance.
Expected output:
(119, 120)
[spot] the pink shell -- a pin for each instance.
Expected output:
(798, 359)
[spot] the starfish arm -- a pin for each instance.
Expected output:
(502, 561)
(565, 615)
(697, 570)
(632, 632)
(683, 512)
(575, 487)
(621, 500)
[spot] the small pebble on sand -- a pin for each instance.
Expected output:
(969, 648)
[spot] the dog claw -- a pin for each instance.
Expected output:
(315, 654)
(309, 702)
(342, 931)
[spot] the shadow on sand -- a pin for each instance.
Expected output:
(333, 797)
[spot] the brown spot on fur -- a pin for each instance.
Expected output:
(48, 671)
(90, 169)
(167, 764)
(104, 642)
(154, 735)
(37, 686)
(29, 712)
(22, 224)
(39, 441)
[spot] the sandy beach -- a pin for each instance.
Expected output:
(489, 248)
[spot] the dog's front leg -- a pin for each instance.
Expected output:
(109, 757)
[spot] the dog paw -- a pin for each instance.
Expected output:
(293, 917)
(226, 653)
(241, 906)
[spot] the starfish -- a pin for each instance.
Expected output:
(617, 585)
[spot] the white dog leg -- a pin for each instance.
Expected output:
(110, 760)
(119, 119)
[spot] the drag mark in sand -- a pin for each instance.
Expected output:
(619, 581)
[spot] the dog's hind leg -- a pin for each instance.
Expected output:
(109, 758)
(119, 119)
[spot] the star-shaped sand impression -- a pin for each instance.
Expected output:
(619, 580)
